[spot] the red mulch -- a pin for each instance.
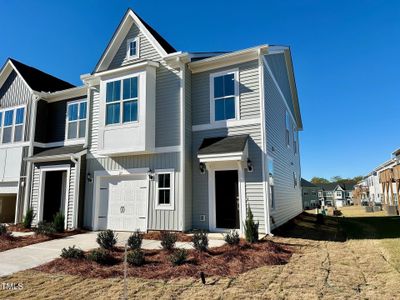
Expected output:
(156, 235)
(8, 242)
(222, 261)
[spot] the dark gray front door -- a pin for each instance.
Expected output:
(227, 199)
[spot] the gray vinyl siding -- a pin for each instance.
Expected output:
(278, 67)
(188, 150)
(307, 198)
(157, 219)
(288, 203)
(248, 89)
(167, 89)
(35, 192)
(254, 194)
(14, 92)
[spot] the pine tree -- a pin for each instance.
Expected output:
(250, 227)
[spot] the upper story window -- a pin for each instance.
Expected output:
(339, 194)
(12, 122)
(224, 96)
(132, 48)
(76, 119)
(271, 182)
(295, 144)
(287, 126)
(165, 189)
(122, 109)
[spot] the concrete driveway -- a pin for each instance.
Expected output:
(20, 259)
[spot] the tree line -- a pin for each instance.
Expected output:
(336, 179)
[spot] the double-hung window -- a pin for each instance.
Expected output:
(287, 130)
(19, 124)
(12, 125)
(224, 90)
(76, 120)
(132, 48)
(122, 109)
(339, 194)
(8, 126)
(165, 190)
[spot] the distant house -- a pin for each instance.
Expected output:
(335, 194)
(309, 194)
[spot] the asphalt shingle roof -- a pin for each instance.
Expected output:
(226, 144)
(60, 151)
(307, 183)
(38, 80)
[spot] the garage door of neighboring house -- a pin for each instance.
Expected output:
(123, 203)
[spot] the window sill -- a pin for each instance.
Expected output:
(76, 141)
(166, 207)
(123, 125)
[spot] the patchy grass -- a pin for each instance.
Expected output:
(221, 261)
(156, 235)
(359, 211)
(328, 263)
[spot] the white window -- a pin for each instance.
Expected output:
(320, 194)
(132, 48)
(339, 194)
(12, 124)
(294, 179)
(123, 109)
(224, 96)
(76, 120)
(165, 189)
(287, 131)
(295, 144)
(271, 182)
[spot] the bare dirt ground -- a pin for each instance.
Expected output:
(346, 258)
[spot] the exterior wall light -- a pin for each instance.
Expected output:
(249, 165)
(89, 178)
(202, 167)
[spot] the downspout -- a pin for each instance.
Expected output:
(35, 99)
(264, 145)
(76, 192)
(182, 148)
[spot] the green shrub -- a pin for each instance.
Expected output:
(136, 257)
(100, 256)
(45, 228)
(58, 222)
(178, 257)
(200, 241)
(72, 252)
(168, 240)
(106, 239)
(27, 222)
(250, 228)
(232, 238)
(3, 230)
(135, 240)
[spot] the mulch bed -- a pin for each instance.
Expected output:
(221, 261)
(156, 235)
(18, 228)
(8, 242)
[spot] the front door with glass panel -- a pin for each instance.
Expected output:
(227, 199)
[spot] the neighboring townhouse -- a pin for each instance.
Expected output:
(361, 193)
(173, 140)
(20, 86)
(335, 194)
(309, 194)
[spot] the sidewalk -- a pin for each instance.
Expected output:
(20, 259)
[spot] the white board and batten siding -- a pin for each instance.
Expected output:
(287, 197)
(167, 134)
(249, 100)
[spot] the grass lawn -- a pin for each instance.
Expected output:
(350, 257)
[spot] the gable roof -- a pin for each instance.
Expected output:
(332, 186)
(161, 45)
(224, 144)
(306, 183)
(38, 80)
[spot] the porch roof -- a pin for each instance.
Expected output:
(223, 148)
(59, 153)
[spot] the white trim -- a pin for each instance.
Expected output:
(67, 94)
(182, 173)
(233, 156)
(225, 166)
(226, 124)
(138, 66)
(42, 181)
(279, 89)
(14, 145)
(97, 176)
(171, 205)
(236, 95)
(60, 143)
(128, 49)
(12, 126)
(168, 149)
(77, 139)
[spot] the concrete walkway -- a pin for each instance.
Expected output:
(20, 259)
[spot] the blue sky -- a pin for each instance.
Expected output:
(345, 53)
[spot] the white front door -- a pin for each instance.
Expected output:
(127, 204)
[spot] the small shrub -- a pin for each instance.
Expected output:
(27, 222)
(58, 222)
(45, 228)
(3, 230)
(72, 252)
(136, 258)
(168, 240)
(200, 241)
(232, 238)
(106, 239)
(250, 228)
(100, 256)
(135, 240)
(179, 257)
(337, 213)
(320, 219)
